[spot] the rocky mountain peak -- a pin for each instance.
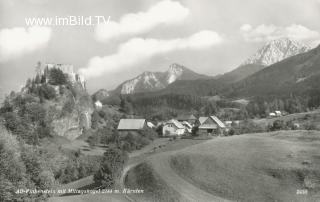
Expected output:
(152, 81)
(275, 51)
(174, 72)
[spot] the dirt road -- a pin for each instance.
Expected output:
(187, 191)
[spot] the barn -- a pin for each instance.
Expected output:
(131, 125)
(211, 125)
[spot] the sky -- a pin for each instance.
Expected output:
(208, 36)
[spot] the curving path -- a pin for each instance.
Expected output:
(188, 192)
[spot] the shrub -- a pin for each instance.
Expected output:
(278, 125)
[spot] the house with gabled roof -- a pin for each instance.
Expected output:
(211, 125)
(173, 128)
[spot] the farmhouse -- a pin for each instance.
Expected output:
(131, 125)
(212, 125)
(275, 114)
(173, 128)
(189, 118)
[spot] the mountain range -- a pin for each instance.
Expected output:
(153, 81)
(280, 50)
(279, 62)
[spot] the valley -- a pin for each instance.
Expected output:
(177, 135)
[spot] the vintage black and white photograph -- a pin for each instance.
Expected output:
(159, 100)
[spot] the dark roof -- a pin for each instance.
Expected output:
(186, 117)
(131, 124)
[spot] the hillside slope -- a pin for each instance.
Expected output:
(298, 74)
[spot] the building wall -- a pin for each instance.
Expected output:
(205, 132)
(172, 130)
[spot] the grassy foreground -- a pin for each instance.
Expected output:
(143, 177)
(278, 166)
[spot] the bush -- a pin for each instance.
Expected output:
(232, 131)
(279, 125)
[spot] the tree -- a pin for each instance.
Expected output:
(57, 77)
(47, 92)
(126, 106)
(13, 172)
(111, 167)
(210, 108)
(95, 118)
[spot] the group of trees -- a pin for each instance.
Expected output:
(262, 106)
(26, 117)
(111, 167)
(136, 140)
(42, 85)
(26, 166)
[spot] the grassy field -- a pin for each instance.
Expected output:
(258, 167)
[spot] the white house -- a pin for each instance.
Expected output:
(272, 114)
(98, 104)
(173, 128)
(278, 113)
